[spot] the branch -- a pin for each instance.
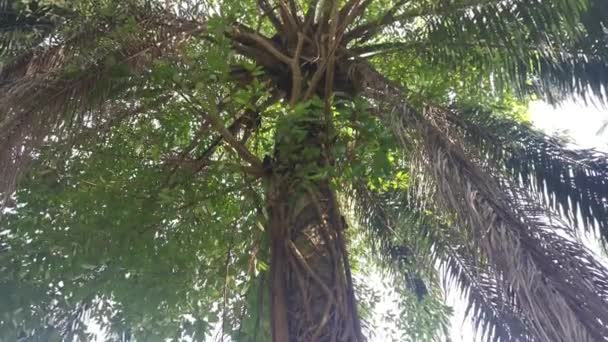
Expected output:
(290, 22)
(263, 42)
(225, 294)
(373, 27)
(348, 7)
(260, 56)
(332, 44)
(350, 17)
(296, 78)
(294, 10)
(351, 300)
(267, 46)
(269, 11)
(309, 17)
(217, 123)
(203, 160)
(325, 56)
(370, 50)
(243, 152)
(330, 297)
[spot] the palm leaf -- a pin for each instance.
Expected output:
(563, 296)
(402, 241)
(24, 26)
(489, 304)
(554, 49)
(522, 42)
(571, 182)
(518, 251)
(70, 81)
(380, 215)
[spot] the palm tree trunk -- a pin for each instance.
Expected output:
(311, 287)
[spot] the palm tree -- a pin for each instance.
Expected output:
(156, 156)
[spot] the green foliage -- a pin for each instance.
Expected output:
(140, 216)
(126, 227)
(105, 225)
(555, 49)
(364, 151)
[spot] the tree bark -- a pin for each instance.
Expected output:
(312, 296)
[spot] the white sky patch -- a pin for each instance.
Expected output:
(575, 120)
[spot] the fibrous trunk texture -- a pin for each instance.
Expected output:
(311, 288)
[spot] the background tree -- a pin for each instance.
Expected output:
(187, 165)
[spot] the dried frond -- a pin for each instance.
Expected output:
(571, 182)
(513, 243)
(554, 281)
(53, 89)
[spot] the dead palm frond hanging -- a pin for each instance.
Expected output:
(518, 238)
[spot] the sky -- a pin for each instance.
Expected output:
(575, 120)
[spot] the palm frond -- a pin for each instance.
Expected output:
(70, 82)
(571, 182)
(555, 49)
(381, 217)
(23, 25)
(516, 247)
(523, 42)
(554, 281)
(489, 304)
(402, 243)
